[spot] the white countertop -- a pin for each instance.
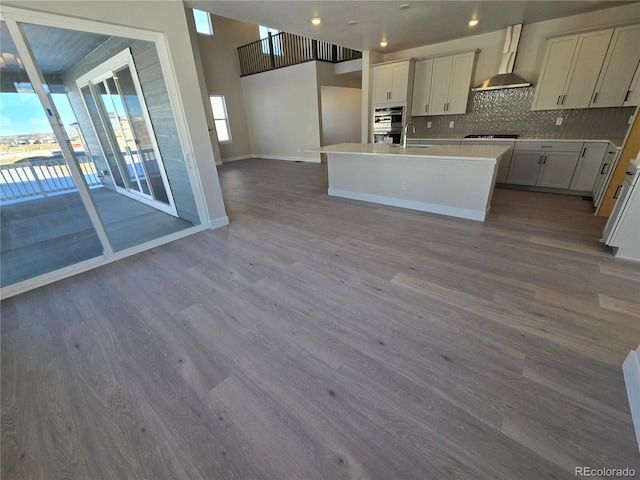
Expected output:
(520, 139)
(486, 153)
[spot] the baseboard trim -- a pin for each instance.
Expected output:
(290, 159)
(235, 159)
(218, 222)
(631, 371)
(412, 204)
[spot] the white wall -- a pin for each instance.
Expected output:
(532, 42)
(282, 112)
(341, 114)
(221, 68)
(170, 20)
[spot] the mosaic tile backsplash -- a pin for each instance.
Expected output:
(509, 111)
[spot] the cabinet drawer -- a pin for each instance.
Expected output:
(553, 146)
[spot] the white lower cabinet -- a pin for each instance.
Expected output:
(589, 166)
(544, 164)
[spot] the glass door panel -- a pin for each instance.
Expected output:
(45, 225)
(145, 148)
(114, 170)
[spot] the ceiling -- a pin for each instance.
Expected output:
(55, 49)
(423, 22)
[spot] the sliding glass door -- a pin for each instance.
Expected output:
(113, 99)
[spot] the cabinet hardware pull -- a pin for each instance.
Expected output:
(595, 97)
(558, 101)
(584, 150)
(544, 160)
(615, 195)
(563, 98)
(626, 97)
(540, 161)
(546, 146)
(604, 167)
(426, 107)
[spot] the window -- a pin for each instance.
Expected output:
(221, 118)
(264, 34)
(203, 22)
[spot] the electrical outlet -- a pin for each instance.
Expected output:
(428, 124)
(405, 186)
(451, 124)
(559, 121)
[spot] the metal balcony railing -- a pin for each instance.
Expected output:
(285, 49)
(42, 178)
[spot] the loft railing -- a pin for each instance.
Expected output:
(285, 49)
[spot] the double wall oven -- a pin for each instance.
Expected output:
(387, 124)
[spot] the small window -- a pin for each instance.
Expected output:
(203, 22)
(264, 33)
(221, 118)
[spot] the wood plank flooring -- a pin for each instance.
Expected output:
(324, 338)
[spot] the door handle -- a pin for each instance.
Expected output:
(604, 167)
(615, 195)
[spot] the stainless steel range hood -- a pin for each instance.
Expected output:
(505, 77)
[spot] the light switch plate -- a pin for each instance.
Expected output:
(559, 121)
(451, 124)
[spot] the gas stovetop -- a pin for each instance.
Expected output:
(492, 136)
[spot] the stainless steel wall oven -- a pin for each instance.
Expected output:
(387, 124)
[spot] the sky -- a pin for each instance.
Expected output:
(22, 113)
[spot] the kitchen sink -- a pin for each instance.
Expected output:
(395, 145)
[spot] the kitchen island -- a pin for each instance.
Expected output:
(455, 180)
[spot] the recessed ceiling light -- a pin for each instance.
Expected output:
(353, 22)
(473, 23)
(383, 43)
(405, 5)
(316, 21)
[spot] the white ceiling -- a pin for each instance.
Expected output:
(424, 22)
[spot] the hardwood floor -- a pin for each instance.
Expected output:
(324, 338)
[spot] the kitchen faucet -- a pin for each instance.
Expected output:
(404, 133)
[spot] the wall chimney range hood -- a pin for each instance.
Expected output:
(505, 77)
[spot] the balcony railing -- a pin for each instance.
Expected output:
(285, 49)
(42, 178)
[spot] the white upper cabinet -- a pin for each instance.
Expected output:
(570, 70)
(422, 88)
(633, 94)
(392, 82)
(618, 69)
(442, 85)
(590, 70)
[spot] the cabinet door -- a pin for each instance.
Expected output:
(557, 169)
(440, 85)
(381, 83)
(555, 70)
(525, 166)
(588, 166)
(618, 69)
(422, 88)
(632, 98)
(399, 82)
(587, 63)
(460, 83)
